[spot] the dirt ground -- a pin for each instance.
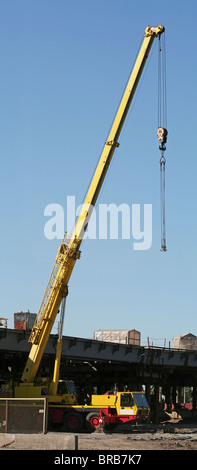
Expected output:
(167, 436)
(172, 436)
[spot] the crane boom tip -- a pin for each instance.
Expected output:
(154, 30)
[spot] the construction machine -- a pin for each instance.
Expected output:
(63, 407)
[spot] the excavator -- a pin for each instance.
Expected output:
(62, 399)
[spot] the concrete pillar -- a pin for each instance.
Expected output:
(194, 397)
(168, 398)
(156, 405)
(179, 393)
(173, 397)
(147, 393)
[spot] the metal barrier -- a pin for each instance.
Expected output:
(27, 415)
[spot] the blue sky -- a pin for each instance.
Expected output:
(64, 66)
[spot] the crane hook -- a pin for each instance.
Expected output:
(162, 139)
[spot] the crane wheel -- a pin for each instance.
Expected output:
(72, 421)
(93, 421)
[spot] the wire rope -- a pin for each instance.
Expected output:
(162, 130)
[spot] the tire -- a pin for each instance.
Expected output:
(93, 421)
(73, 421)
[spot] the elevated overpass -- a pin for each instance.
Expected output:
(16, 341)
(102, 364)
(146, 360)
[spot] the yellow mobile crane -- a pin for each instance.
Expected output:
(69, 251)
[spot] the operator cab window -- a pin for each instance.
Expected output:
(126, 399)
(62, 388)
(71, 387)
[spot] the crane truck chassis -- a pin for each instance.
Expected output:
(106, 410)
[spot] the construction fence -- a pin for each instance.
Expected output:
(27, 415)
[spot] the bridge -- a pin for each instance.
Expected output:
(102, 364)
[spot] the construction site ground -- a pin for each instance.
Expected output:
(147, 437)
(166, 436)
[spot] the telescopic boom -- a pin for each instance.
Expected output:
(69, 252)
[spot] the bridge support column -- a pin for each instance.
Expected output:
(173, 396)
(156, 404)
(194, 397)
(147, 393)
(167, 394)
